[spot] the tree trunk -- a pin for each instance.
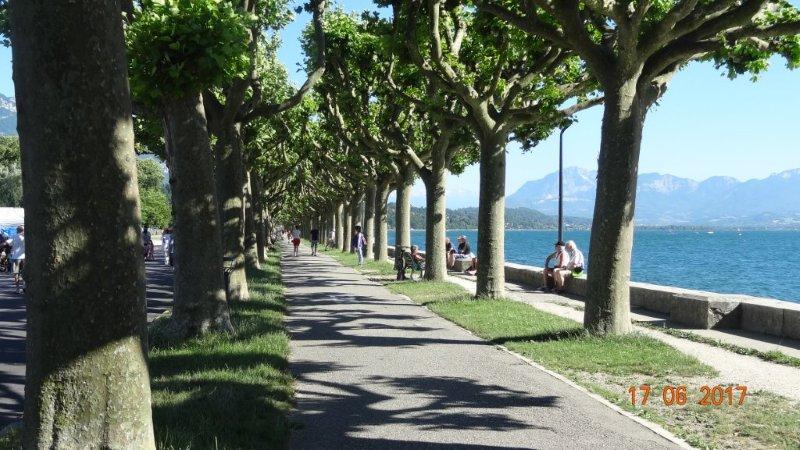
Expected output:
(261, 231)
(348, 227)
(340, 226)
(87, 384)
(403, 208)
(333, 221)
(230, 195)
(369, 221)
(354, 217)
(199, 298)
(491, 217)
(381, 221)
(250, 239)
(608, 296)
(435, 224)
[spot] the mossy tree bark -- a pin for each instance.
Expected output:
(402, 214)
(608, 292)
(258, 211)
(491, 216)
(381, 248)
(435, 181)
(87, 384)
(199, 298)
(340, 219)
(250, 238)
(348, 226)
(355, 220)
(369, 220)
(230, 196)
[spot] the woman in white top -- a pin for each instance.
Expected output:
(573, 267)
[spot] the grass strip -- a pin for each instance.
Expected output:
(226, 391)
(555, 342)
(348, 259)
(774, 356)
(11, 439)
(608, 366)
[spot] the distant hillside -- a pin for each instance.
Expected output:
(670, 200)
(8, 116)
(516, 219)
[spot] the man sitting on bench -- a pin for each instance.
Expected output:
(560, 259)
(573, 268)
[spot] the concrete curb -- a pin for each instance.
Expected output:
(655, 428)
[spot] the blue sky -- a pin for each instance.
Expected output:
(705, 125)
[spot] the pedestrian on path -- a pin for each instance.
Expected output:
(166, 244)
(359, 243)
(296, 239)
(17, 244)
(314, 235)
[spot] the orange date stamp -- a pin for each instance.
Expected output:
(679, 395)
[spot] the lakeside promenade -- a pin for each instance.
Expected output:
(12, 332)
(375, 370)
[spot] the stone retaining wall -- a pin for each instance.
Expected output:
(689, 307)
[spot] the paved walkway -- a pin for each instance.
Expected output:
(374, 370)
(12, 333)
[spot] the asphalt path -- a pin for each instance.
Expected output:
(12, 332)
(375, 370)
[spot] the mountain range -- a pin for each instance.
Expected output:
(516, 219)
(8, 116)
(663, 199)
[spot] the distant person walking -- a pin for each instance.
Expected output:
(572, 268)
(295, 235)
(314, 235)
(166, 244)
(17, 244)
(359, 243)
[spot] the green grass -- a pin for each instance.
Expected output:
(351, 260)
(774, 356)
(12, 440)
(607, 366)
(227, 391)
(555, 342)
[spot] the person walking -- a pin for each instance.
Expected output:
(359, 243)
(166, 244)
(295, 235)
(314, 235)
(17, 244)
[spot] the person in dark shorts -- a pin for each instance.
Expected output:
(560, 259)
(314, 235)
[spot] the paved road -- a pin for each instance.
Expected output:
(12, 333)
(376, 371)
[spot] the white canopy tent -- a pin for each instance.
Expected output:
(11, 217)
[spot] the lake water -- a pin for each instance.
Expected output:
(760, 263)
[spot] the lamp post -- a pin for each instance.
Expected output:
(561, 180)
